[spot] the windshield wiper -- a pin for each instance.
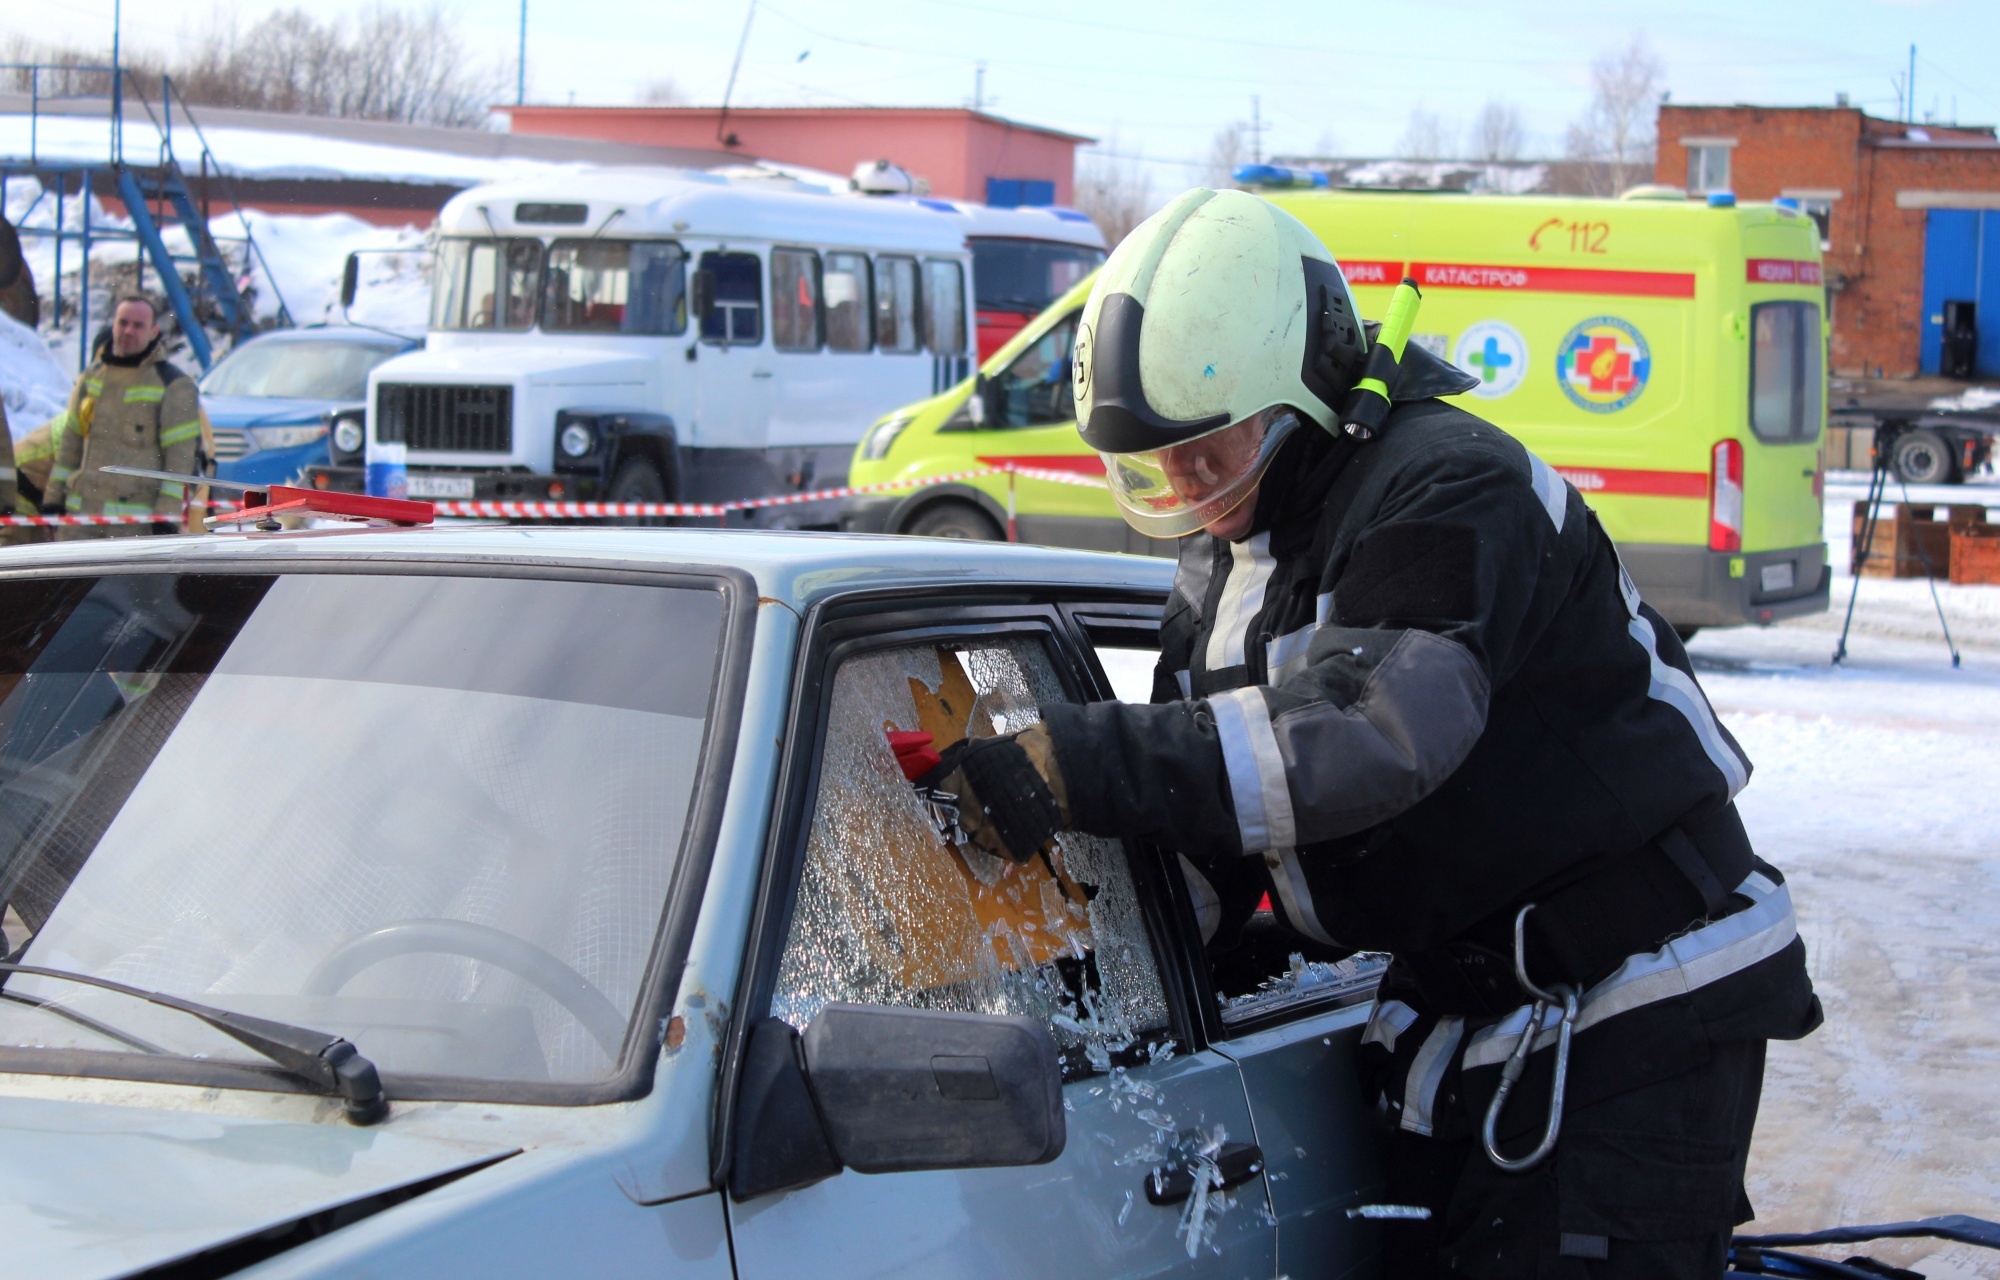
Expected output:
(315, 1057)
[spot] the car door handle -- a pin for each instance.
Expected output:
(1236, 1163)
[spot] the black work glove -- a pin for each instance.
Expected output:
(1010, 792)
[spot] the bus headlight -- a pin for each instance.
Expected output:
(348, 436)
(881, 436)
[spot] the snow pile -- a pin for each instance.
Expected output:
(32, 381)
(1970, 398)
(305, 254)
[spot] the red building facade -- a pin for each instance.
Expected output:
(1870, 183)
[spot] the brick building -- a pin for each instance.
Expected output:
(961, 153)
(1909, 218)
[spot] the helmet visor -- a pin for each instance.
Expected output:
(1173, 492)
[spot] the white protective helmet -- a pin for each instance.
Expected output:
(1215, 309)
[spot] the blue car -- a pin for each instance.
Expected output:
(275, 401)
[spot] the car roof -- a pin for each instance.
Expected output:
(796, 569)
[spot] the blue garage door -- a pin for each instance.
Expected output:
(1962, 264)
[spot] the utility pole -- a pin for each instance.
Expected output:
(722, 133)
(521, 61)
(117, 92)
(1911, 84)
(979, 87)
(1256, 129)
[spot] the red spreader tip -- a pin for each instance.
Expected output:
(914, 752)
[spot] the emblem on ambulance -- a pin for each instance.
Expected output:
(1494, 352)
(1603, 364)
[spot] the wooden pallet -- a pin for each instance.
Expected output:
(1910, 541)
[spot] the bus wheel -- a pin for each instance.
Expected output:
(954, 520)
(1922, 457)
(637, 480)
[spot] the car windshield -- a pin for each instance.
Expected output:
(1025, 276)
(300, 370)
(437, 816)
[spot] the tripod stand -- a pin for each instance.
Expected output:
(1864, 546)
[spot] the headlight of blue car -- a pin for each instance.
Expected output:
(286, 437)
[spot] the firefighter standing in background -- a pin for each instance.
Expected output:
(131, 408)
(1406, 688)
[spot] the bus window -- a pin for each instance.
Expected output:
(1785, 371)
(847, 303)
(1025, 276)
(896, 304)
(944, 306)
(735, 313)
(795, 300)
(615, 286)
(486, 284)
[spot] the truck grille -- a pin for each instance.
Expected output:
(445, 419)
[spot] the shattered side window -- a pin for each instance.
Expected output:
(889, 913)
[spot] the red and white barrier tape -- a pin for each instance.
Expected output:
(70, 521)
(544, 510)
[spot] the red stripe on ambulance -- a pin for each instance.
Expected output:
(1632, 284)
(1082, 464)
(1372, 272)
(1781, 271)
(1656, 484)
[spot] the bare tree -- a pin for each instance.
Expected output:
(1224, 154)
(664, 92)
(1615, 139)
(1497, 134)
(1116, 191)
(385, 64)
(1423, 138)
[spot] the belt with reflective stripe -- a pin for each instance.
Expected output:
(1687, 963)
(179, 434)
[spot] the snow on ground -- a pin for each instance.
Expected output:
(1877, 791)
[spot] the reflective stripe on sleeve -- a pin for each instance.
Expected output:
(1427, 1073)
(1671, 685)
(7, 474)
(1285, 656)
(1256, 771)
(181, 433)
(1551, 488)
(1250, 568)
(1688, 963)
(1288, 880)
(1388, 1020)
(59, 474)
(172, 489)
(1184, 679)
(144, 394)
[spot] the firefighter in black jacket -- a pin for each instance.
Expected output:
(1407, 689)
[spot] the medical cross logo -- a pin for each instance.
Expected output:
(1603, 364)
(1494, 352)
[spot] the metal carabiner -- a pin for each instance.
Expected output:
(1517, 1061)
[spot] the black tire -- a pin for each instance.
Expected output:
(637, 480)
(1922, 457)
(955, 520)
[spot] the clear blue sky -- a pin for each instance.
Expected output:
(1157, 79)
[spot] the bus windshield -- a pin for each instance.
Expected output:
(616, 286)
(1025, 276)
(486, 284)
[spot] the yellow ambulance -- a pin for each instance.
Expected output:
(1666, 355)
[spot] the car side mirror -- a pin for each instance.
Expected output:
(886, 1090)
(350, 280)
(976, 406)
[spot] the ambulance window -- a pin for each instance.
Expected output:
(887, 912)
(615, 286)
(735, 311)
(944, 307)
(1035, 390)
(848, 298)
(795, 300)
(1786, 380)
(896, 304)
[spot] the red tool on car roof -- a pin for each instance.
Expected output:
(263, 504)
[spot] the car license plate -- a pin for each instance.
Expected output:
(1772, 577)
(441, 487)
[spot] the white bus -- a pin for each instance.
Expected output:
(1023, 259)
(650, 335)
